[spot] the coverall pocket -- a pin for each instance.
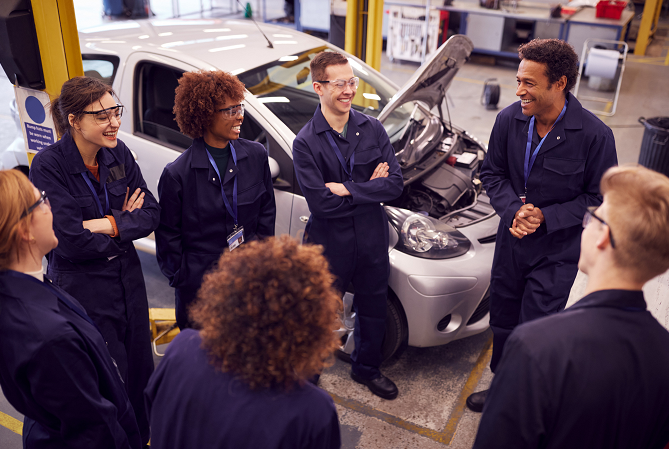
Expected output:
(85, 202)
(562, 179)
(118, 188)
(368, 155)
(249, 203)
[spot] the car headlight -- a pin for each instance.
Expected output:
(425, 237)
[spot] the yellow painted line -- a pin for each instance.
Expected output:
(445, 436)
(469, 388)
(11, 423)
(359, 407)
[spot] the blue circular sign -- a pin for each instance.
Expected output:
(35, 109)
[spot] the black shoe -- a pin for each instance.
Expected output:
(380, 386)
(475, 401)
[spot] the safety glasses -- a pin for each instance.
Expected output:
(341, 84)
(233, 111)
(42, 200)
(103, 117)
(589, 215)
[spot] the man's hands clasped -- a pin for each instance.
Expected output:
(527, 221)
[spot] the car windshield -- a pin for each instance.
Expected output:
(285, 87)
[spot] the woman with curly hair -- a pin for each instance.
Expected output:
(266, 315)
(55, 368)
(217, 194)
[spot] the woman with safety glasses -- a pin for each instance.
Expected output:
(55, 368)
(100, 204)
(215, 196)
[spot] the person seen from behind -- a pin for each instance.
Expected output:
(266, 315)
(55, 368)
(595, 375)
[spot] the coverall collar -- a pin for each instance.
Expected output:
(621, 299)
(572, 118)
(75, 163)
(355, 119)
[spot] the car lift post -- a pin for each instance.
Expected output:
(58, 41)
(364, 36)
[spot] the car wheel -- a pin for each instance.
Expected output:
(397, 330)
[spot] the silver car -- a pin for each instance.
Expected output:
(442, 228)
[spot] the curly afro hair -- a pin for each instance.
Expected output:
(267, 313)
(558, 56)
(198, 95)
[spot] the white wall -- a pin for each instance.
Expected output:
(656, 293)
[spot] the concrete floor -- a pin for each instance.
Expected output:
(434, 382)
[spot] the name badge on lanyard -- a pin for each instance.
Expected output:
(348, 170)
(529, 161)
(237, 237)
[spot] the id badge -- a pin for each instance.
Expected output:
(236, 238)
(522, 198)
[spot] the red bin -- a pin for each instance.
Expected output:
(610, 9)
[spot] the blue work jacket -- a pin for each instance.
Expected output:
(195, 224)
(58, 171)
(214, 409)
(563, 181)
(592, 376)
(316, 163)
(55, 369)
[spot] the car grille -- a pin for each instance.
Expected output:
(482, 309)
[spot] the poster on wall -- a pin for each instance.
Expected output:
(36, 123)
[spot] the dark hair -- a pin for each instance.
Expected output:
(558, 56)
(75, 95)
(268, 312)
(197, 97)
(322, 61)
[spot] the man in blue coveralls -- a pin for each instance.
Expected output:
(346, 167)
(546, 157)
(595, 375)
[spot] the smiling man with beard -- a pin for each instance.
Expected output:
(346, 167)
(217, 194)
(546, 157)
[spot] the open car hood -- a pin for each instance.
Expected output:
(431, 81)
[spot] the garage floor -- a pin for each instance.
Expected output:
(430, 411)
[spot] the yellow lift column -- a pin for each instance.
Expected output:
(364, 37)
(58, 41)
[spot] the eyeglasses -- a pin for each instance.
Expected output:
(42, 200)
(104, 116)
(233, 111)
(589, 215)
(341, 84)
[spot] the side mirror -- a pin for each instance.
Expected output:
(274, 168)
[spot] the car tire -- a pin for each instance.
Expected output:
(396, 336)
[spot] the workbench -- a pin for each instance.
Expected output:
(499, 32)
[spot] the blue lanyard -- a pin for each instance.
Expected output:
(530, 162)
(231, 210)
(95, 194)
(58, 293)
(348, 170)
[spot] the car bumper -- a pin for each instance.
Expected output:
(439, 297)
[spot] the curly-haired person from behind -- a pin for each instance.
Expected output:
(266, 315)
(215, 195)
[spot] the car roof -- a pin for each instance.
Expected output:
(206, 43)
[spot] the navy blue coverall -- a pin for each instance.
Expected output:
(352, 229)
(213, 409)
(194, 222)
(55, 369)
(532, 276)
(591, 377)
(103, 273)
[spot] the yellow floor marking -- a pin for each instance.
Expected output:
(11, 423)
(469, 388)
(446, 435)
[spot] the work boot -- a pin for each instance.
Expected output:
(476, 401)
(380, 386)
